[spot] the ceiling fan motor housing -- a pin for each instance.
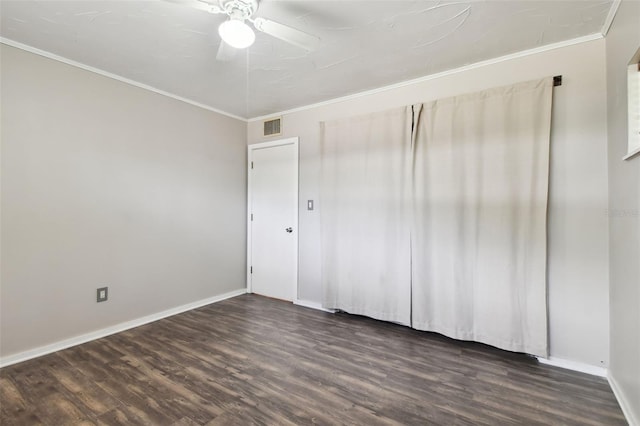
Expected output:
(239, 9)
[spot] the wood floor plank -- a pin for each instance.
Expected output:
(13, 407)
(58, 408)
(251, 360)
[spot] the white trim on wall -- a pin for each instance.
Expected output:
(609, 20)
(103, 73)
(98, 334)
(534, 51)
(520, 54)
(625, 405)
(312, 305)
(574, 366)
(631, 154)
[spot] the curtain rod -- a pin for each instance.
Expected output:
(557, 80)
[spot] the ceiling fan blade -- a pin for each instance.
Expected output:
(226, 53)
(286, 33)
(198, 4)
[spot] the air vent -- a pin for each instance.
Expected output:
(272, 127)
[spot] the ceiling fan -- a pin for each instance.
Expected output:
(235, 32)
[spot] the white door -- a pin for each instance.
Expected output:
(273, 219)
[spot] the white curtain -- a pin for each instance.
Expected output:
(365, 174)
(434, 215)
(480, 185)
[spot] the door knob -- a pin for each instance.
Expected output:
(289, 230)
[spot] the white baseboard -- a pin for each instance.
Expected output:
(84, 338)
(624, 403)
(573, 365)
(312, 305)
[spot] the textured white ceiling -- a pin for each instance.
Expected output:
(364, 44)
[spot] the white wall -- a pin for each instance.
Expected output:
(624, 220)
(578, 228)
(106, 184)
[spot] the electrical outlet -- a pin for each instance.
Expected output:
(103, 294)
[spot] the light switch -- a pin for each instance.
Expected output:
(309, 204)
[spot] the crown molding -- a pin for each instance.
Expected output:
(476, 65)
(609, 20)
(107, 74)
(521, 54)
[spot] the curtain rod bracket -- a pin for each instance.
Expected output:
(557, 80)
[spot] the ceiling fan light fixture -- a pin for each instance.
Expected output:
(236, 33)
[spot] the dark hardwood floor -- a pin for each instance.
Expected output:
(253, 360)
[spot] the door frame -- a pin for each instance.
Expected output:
(263, 145)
